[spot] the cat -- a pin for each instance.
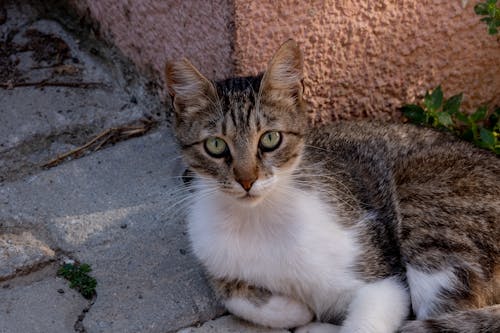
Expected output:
(344, 227)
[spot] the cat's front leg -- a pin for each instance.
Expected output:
(260, 306)
(378, 307)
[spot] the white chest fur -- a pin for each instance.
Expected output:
(290, 244)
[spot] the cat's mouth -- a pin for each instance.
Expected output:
(250, 198)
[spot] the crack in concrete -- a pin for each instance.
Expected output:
(79, 327)
(27, 270)
(59, 256)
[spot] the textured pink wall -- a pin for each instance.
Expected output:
(152, 31)
(365, 58)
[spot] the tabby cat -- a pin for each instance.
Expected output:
(348, 227)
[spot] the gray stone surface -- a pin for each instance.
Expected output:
(40, 122)
(229, 324)
(113, 210)
(19, 253)
(116, 209)
(42, 306)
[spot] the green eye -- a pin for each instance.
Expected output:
(216, 147)
(270, 140)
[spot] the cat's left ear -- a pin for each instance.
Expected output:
(191, 92)
(283, 80)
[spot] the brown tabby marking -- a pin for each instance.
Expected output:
(226, 289)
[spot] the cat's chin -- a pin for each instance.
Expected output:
(247, 200)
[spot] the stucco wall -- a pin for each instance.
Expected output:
(151, 31)
(363, 58)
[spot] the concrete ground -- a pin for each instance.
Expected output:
(112, 205)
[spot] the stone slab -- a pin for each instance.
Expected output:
(43, 306)
(117, 210)
(21, 252)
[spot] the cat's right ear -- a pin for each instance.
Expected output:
(283, 80)
(189, 89)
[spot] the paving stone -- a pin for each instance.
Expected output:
(229, 324)
(20, 252)
(44, 306)
(115, 210)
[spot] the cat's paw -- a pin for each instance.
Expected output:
(277, 312)
(318, 328)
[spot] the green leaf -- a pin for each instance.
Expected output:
(492, 9)
(444, 119)
(434, 100)
(85, 268)
(452, 104)
(414, 113)
(480, 114)
(78, 278)
(481, 9)
(462, 117)
(468, 135)
(486, 20)
(493, 121)
(487, 137)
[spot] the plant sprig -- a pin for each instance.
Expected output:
(481, 128)
(491, 15)
(79, 279)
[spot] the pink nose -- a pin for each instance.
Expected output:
(246, 183)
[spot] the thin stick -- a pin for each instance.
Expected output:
(114, 132)
(59, 158)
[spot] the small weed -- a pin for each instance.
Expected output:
(491, 15)
(481, 128)
(77, 275)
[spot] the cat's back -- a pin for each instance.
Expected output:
(411, 153)
(426, 168)
(444, 192)
(400, 140)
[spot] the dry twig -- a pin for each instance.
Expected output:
(111, 135)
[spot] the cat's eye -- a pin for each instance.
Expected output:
(216, 147)
(269, 141)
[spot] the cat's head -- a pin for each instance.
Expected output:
(241, 135)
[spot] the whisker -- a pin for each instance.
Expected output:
(181, 201)
(333, 193)
(318, 148)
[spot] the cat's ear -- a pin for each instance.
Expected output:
(189, 89)
(283, 79)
